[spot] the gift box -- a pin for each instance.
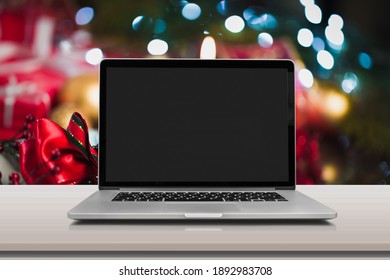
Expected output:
(23, 94)
(30, 27)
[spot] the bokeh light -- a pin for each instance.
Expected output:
(160, 26)
(336, 105)
(92, 94)
(325, 59)
(221, 7)
(84, 16)
(142, 23)
(306, 78)
(307, 2)
(191, 11)
(234, 24)
(313, 13)
(94, 56)
(258, 20)
(318, 44)
(336, 21)
(305, 37)
(136, 22)
(329, 173)
(334, 35)
(350, 82)
(157, 47)
(365, 60)
(265, 40)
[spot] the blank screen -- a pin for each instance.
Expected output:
(196, 125)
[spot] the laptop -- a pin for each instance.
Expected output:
(188, 139)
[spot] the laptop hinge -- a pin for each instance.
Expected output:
(184, 189)
(285, 188)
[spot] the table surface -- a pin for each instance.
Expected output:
(33, 218)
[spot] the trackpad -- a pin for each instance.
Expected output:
(202, 208)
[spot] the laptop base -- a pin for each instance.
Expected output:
(99, 206)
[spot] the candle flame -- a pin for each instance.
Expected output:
(208, 49)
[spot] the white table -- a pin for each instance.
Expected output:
(33, 220)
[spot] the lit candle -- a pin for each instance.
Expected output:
(208, 49)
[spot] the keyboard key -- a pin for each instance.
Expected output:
(200, 196)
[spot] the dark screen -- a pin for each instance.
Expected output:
(196, 125)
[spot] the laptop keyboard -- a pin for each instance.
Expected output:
(200, 196)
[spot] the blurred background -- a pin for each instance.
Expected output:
(50, 51)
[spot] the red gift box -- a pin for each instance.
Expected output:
(44, 79)
(23, 94)
(30, 27)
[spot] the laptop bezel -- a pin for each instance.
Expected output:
(199, 63)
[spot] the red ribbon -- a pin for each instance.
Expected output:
(53, 155)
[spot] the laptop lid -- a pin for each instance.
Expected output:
(204, 123)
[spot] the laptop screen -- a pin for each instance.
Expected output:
(202, 124)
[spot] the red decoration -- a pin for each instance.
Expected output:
(13, 26)
(53, 155)
(26, 93)
(14, 178)
(30, 26)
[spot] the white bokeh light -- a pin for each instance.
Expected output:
(336, 21)
(334, 35)
(307, 2)
(157, 47)
(306, 78)
(94, 56)
(234, 24)
(313, 13)
(325, 59)
(305, 37)
(136, 22)
(191, 11)
(350, 82)
(265, 40)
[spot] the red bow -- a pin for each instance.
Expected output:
(53, 155)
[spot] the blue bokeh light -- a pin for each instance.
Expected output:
(365, 60)
(265, 21)
(221, 7)
(160, 26)
(350, 82)
(137, 22)
(191, 11)
(318, 44)
(84, 16)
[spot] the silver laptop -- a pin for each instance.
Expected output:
(197, 139)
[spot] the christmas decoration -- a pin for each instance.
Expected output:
(61, 114)
(342, 116)
(10, 149)
(82, 92)
(38, 53)
(36, 31)
(25, 93)
(52, 155)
